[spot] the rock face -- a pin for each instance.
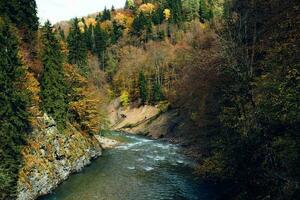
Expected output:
(144, 120)
(51, 156)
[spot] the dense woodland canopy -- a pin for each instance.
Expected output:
(230, 67)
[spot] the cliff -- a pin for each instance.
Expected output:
(50, 156)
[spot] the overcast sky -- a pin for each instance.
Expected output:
(58, 10)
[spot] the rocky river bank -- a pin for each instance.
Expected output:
(50, 156)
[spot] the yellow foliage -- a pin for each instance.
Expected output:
(147, 8)
(124, 99)
(81, 26)
(33, 86)
(123, 19)
(167, 14)
(85, 102)
(90, 22)
(106, 25)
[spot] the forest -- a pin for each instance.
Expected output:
(231, 68)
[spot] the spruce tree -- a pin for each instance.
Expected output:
(176, 10)
(205, 10)
(129, 4)
(106, 15)
(53, 87)
(143, 87)
(117, 32)
(77, 48)
(22, 13)
(158, 16)
(88, 37)
(13, 116)
(142, 26)
(157, 94)
(101, 42)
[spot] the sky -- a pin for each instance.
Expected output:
(58, 10)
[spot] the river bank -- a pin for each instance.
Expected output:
(51, 156)
(140, 168)
(154, 121)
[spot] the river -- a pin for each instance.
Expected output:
(139, 169)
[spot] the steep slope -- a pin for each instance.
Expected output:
(51, 156)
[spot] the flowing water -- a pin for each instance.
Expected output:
(140, 169)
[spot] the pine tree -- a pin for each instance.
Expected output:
(22, 13)
(53, 87)
(205, 10)
(129, 4)
(101, 43)
(61, 33)
(158, 16)
(106, 15)
(157, 94)
(13, 116)
(88, 37)
(191, 9)
(142, 26)
(143, 87)
(176, 10)
(77, 48)
(117, 32)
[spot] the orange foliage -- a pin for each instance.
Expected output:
(85, 102)
(106, 25)
(147, 8)
(90, 22)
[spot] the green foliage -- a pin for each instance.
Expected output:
(176, 11)
(142, 27)
(89, 37)
(13, 116)
(61, 34)
(22, 13)
(157, 94)
(106, 15)
(143, 87)
(191, 9)
(53, 86)
(158, 16)
(129, 4)
(256, 147)
(117, 32)
(77, 48)
(124, 98)
(205, 10)
(101, 42)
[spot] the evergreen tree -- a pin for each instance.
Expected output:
(176, 10)
(22, 13)
(88, 37)
(117, 32)
(101, 43)
(191, 9)
(13, 115)
(77, 47)
(157, 94)
(53, 87)
(106, 15)
(113, 9)
(205, 10)
(142, 26)
(158, 16)
(143, 87)
(61, 34)
(129, 4)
